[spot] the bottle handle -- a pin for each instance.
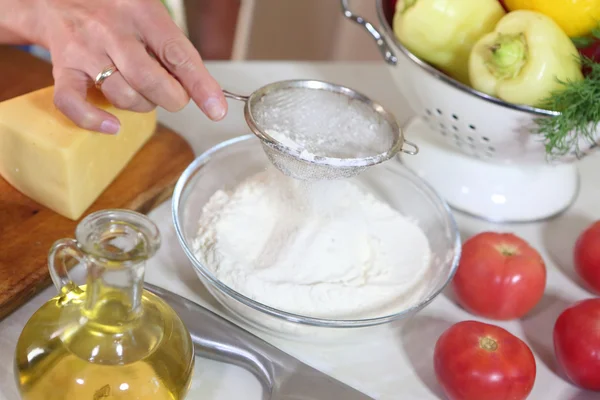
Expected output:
(61, 252)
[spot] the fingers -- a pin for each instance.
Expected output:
(119, 93)
(141, 81)
(181, 59)
(145, 75)
(70, 92)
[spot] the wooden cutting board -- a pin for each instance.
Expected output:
(27, 229)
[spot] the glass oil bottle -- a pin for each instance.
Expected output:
(110, 338)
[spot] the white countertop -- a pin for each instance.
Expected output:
(385, 367)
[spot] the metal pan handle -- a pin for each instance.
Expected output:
(281, 376)
(384, 47)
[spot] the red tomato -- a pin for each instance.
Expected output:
(587, 256)
(499, 276)
(476, 361)
(389, 9)
(592, 51)
(577, 343)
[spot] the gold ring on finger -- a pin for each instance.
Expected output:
(102, 76)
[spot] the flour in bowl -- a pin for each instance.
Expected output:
(321, 249)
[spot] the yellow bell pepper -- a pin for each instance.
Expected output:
(442, 32)
(522, 61)
(575, 17)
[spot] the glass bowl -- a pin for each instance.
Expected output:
(229, 163)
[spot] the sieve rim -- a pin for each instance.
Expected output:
(315, 84)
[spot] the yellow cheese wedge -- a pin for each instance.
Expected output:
(65, 168)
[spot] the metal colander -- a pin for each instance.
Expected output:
(314, 130)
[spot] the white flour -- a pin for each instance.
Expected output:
(320, 249)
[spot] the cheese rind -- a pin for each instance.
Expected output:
(61, 166)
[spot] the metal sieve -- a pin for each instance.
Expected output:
(314, 130)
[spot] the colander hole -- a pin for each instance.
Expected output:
(455, 127)
(438, 111)
(491, 149)
(472, 145)
(428, 111)
(472, 127)
(485, 138)
(455, 117)
(442, 126)
(457, 137)
(444, 133)
(470, 138)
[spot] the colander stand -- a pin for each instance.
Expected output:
(492, 191)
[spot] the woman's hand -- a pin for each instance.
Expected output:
(156, 64)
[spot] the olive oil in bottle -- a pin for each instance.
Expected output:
(110, 338)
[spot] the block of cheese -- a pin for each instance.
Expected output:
(65, 168)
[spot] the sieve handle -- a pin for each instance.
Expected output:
(234, 96)
(415, 148)
(384, 47)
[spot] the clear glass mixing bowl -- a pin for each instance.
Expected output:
(229, 163)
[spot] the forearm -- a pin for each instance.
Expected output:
(17, 22)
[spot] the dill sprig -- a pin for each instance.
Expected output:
(585, 41)
(579, 107)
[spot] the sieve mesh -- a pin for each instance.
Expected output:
(314, 130)
(298, 168)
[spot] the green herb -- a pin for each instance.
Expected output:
(583, 42)
(586, 41)
(579, 107)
